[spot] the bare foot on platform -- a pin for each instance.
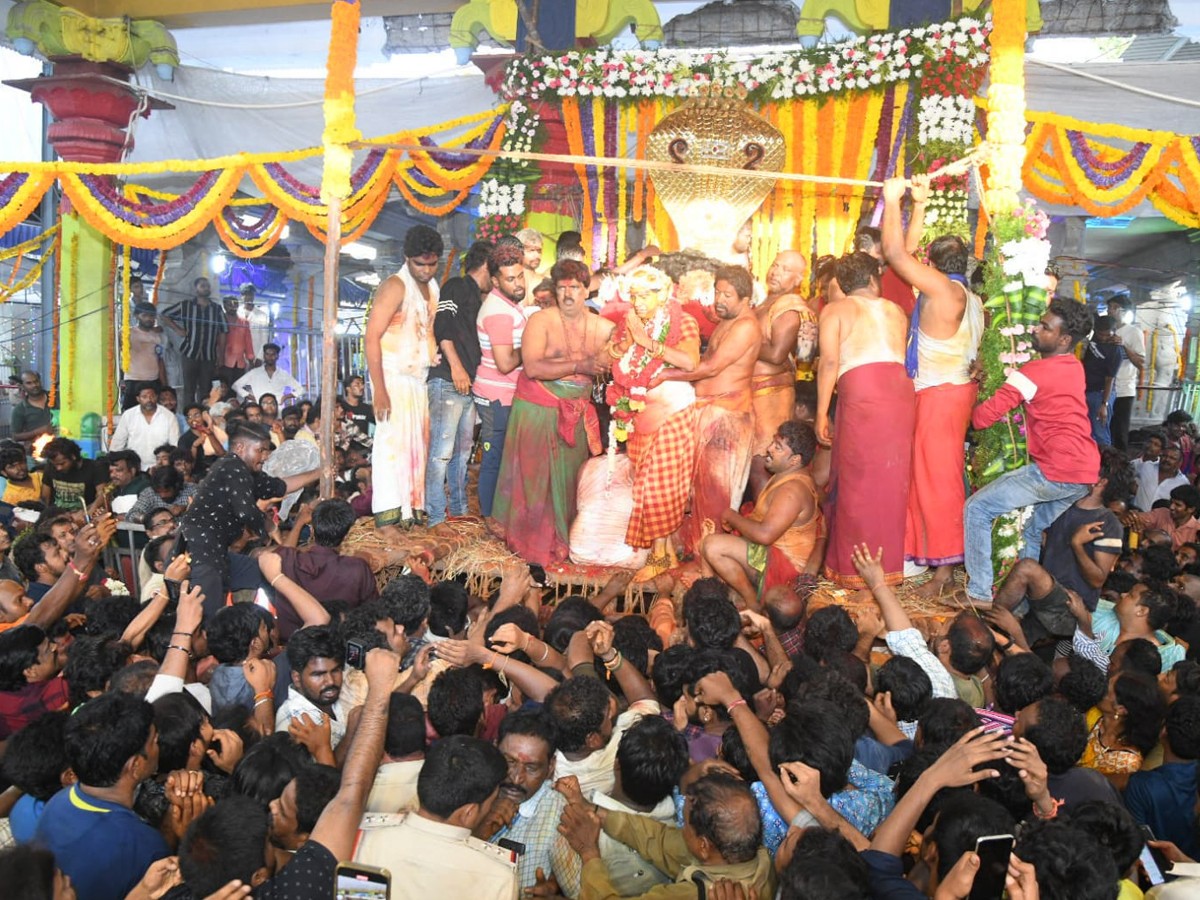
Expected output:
(391, 534)
(934, 588)
(688, 574)
(963, 599)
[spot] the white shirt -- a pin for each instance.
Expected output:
(136, 434)
(1125, 384)
(261, 382)
(595, 771)
(259, 321)
(297, 704)
(1150, 489)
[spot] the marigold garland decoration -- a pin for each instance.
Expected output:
(68, 302)
(340, 130)
(1107, 170)
(140, 217)
(54, 320)
(17, 285)
(126, 302)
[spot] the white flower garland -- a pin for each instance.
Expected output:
(856, 64)
(497, 198)
(949, 119)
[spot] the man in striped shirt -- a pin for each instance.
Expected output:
(201, 324)
(500, 325)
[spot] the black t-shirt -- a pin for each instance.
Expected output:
(1059, 559)
(66, 489)
(362, 417)
(223, 505)
(309, 876)
(1100, 361)
(458, 308)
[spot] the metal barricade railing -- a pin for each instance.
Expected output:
(1152, 404)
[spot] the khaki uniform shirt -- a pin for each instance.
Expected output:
(395, 788)
(431, 859)
(664, 848)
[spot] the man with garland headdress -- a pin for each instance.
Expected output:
(400, 347)
(659, 423)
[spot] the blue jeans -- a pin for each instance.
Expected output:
(451, 433)
(493, 424)
(1015, 490)
(1100, 430)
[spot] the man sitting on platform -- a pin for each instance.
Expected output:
(553, 426)
(783, 536)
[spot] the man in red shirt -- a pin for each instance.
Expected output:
(1065, 460)
(30, 685)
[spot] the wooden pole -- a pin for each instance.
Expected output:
(333, 247)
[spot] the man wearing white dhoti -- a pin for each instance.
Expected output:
(400, 348)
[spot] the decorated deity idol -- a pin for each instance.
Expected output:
(659, 423)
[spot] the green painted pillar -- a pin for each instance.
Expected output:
(85, 331)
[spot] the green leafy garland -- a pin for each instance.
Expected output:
(1014, 288)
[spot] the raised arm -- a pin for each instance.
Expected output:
(336, 828)
(956, 767)
(870, 569)
(928, 280)
(89, 543)
(534, 683)
(307, 607)
(633, 683)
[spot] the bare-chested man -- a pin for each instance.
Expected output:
(780, 538)
(780, 317)
(400, 348)
(553, 425)
(862, 352)
(725, 425)
(950, 324)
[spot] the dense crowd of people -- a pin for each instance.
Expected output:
(263, 710)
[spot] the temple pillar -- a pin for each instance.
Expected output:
(92, 104)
